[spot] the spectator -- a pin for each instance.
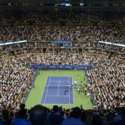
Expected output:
(38, 115)
(85, 118)
(1, 123)
(110, 118)
(22, 106)
(6, 119)
(75, 120)
(55, 118)
(121, 122)
(97, 120)
(22, 118)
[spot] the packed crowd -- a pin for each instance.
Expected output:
(17, 33)
(15, 82)
(94, 51)
(23, 51)
(110, 34)
(112, 47)
(119, 56)
(76, 33)
(61, 58)
(13, 47)
(74, 16)
(73, 51)
(107, 83)
(4, 55)
(64, 58)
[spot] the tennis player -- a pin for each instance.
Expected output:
(78, 76)
(78, 91)
(75, 82)
(81, 82)
(67, 90)
(83, 92)
(84, 78)
(39, 72)
(86, 88)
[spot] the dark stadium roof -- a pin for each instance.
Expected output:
(42, 1)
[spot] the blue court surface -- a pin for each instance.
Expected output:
(54, 91)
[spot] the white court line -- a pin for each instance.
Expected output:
(58, 95)
(69, 89)
(71, 80)
(68, 80)
(58, 76)
(69, 95)
(47, 91)
(43, 90)
(58, 88)
(56, 104)
(58, 81)
(72, 90)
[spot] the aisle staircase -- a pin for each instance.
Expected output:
(13, 53)
(110, 55)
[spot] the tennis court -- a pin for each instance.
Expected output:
(54, 91)
(36, 96)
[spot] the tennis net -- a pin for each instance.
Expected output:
(58, 86)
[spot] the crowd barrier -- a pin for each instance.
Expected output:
(30, 88)
(62, 67)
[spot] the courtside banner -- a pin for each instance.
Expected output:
(62, 67)
(114, 44)
(62, 42)
(9, 43)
